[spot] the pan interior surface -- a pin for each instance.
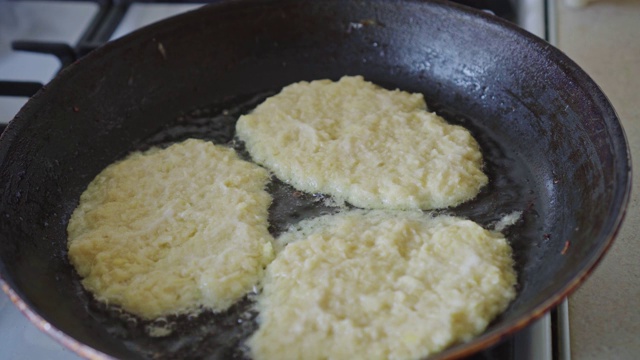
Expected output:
(552, 144)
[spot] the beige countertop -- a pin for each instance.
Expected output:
(604, 39)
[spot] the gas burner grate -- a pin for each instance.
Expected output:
(104, 23)
(102, 26)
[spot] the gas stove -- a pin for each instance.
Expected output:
(39, 38)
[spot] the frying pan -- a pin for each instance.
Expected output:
(552, 143)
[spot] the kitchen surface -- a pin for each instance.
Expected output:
(603, 37)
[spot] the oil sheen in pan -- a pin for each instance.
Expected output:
(221, 336)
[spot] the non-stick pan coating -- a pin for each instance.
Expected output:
(553, 146)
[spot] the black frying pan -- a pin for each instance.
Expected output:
(552, 143)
